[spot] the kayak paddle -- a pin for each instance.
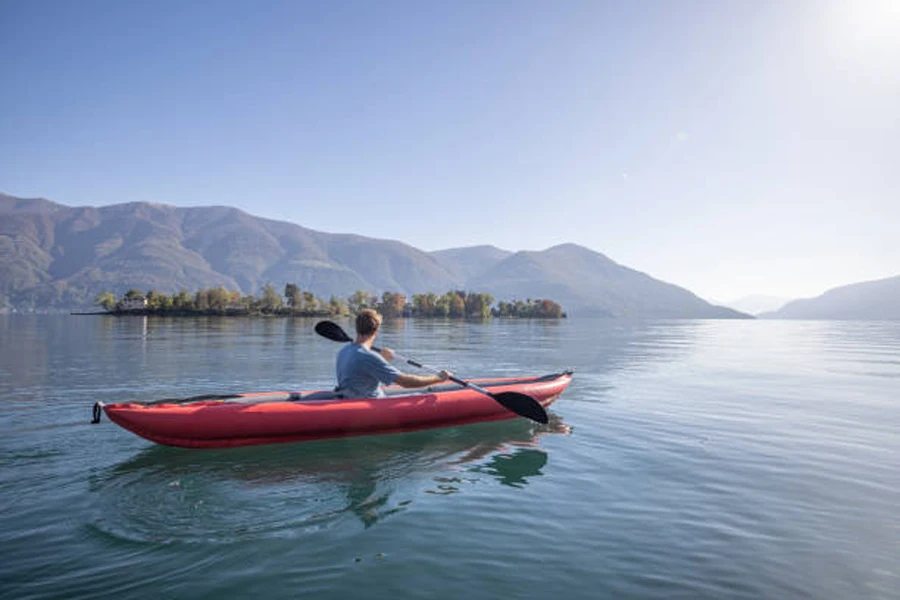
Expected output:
(521, 404)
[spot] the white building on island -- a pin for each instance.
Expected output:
(133, 303)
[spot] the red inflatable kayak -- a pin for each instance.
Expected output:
(272, 417)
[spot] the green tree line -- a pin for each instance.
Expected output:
(297, 302)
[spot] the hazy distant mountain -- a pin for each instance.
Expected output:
(756, 304)
(877, 300)
(468, 263)
(55, 255)
(588, 283)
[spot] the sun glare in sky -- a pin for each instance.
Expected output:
(865, 24)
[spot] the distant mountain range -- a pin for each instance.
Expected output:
(587, 282)
(53, 255)
(467, 263)
(877, 300)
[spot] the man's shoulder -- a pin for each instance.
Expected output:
(360, 352)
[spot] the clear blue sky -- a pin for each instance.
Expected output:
(729, 147)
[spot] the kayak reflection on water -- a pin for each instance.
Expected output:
(511, 460)
(204, 494)
(514, 469)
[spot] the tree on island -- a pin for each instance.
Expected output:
(424, 305)
(310, 302)
(106, 300)
(392, 305)
(182, 300)
(359, 300)
(158, 300)
(337, 308)
(271, 301)
(479, 305)
(293, 297)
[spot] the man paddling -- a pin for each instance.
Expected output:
(361, 371)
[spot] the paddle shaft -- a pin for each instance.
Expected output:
(452, 378)
(512, 401)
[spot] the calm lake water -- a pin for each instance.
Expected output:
(691, 459)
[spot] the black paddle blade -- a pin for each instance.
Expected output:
(332, 331)
(522, 405)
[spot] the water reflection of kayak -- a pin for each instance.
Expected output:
(173, 494)
(341, 459)
(264, 418)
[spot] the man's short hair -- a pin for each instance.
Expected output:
(367, 322)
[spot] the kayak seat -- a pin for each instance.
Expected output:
(321, 395)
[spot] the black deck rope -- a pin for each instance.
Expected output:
(202, 398)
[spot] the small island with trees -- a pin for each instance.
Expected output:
(294, 302)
